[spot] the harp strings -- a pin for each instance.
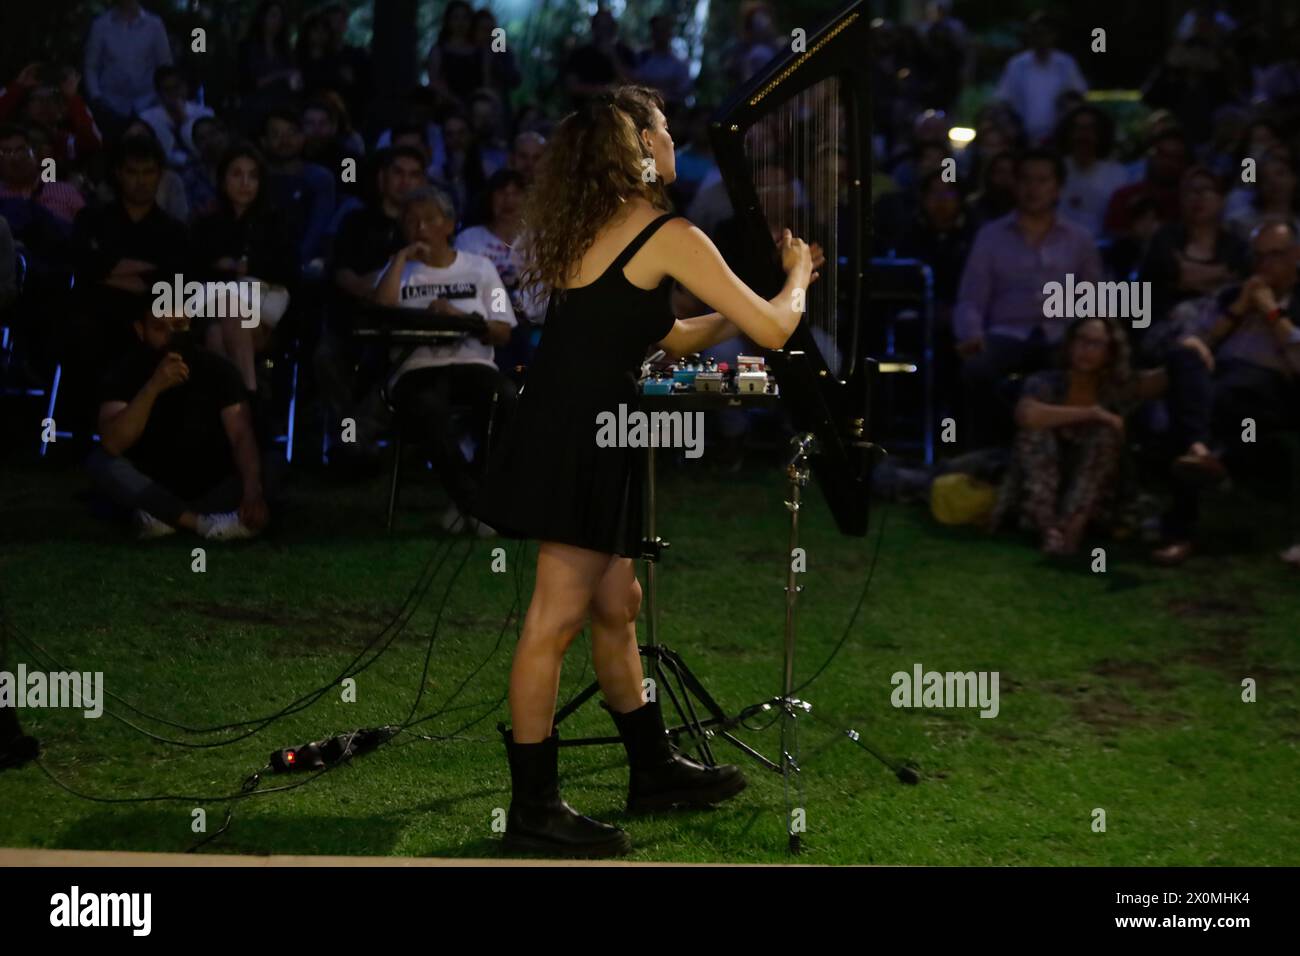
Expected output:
(796, 167)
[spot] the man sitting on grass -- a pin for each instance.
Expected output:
(177, 443)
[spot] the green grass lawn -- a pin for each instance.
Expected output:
(1120, 691)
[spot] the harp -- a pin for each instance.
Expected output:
(792, 147)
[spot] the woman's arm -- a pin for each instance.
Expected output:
(1032, 413)
(690, 257)
(699, 333)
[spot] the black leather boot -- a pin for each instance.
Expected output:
(539, 821)
(660, 778)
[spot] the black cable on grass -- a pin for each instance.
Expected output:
(397, 623)
(514, 607)
(862, 598)
(439, 712)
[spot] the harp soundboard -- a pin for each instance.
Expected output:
(793, 149)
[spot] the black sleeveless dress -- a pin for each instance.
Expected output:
(548, 479)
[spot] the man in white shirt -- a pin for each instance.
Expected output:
(125, 46)
(173, 118)
(428, 274)
(1033, 80)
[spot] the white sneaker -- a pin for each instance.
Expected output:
(223, 527)
(147, 527)
(1291, 555)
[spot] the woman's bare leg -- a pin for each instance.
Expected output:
(567, 579)
(613, 636)
(237, 343)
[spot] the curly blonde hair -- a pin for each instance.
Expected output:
(592, 164)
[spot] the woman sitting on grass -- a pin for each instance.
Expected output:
(1070, 436)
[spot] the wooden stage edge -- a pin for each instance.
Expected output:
(21, 857)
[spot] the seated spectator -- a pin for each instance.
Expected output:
(1128, 250)
(1275, 195)
(990, 140)
(997, 193)
(894, 211)
(1219, 152)
(245, 240)
(39, 217)
(345, 373)
(939, 235)
(525, 154)
(463, 173)
(172, 120)
(1086, 139)
(429, 274)
(497, 241)
(171, 197)
(1166, 163)
(1259, 138)
(20, 178)
(48, 100)
(1195, 256)
(1070, 436)
(125, 245)
(328, 136)
(370, 236)
(302, 192)
(178, 448)
(126, 45)
(486, 117)
(211, 142)
(998, 320)
(1034, 79)
(1240, 362)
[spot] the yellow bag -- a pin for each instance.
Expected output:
(960, 499)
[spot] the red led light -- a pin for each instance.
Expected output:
(290, 757)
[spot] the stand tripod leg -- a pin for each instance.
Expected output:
(796, 823)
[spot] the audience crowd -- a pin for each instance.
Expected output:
(117, 173)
